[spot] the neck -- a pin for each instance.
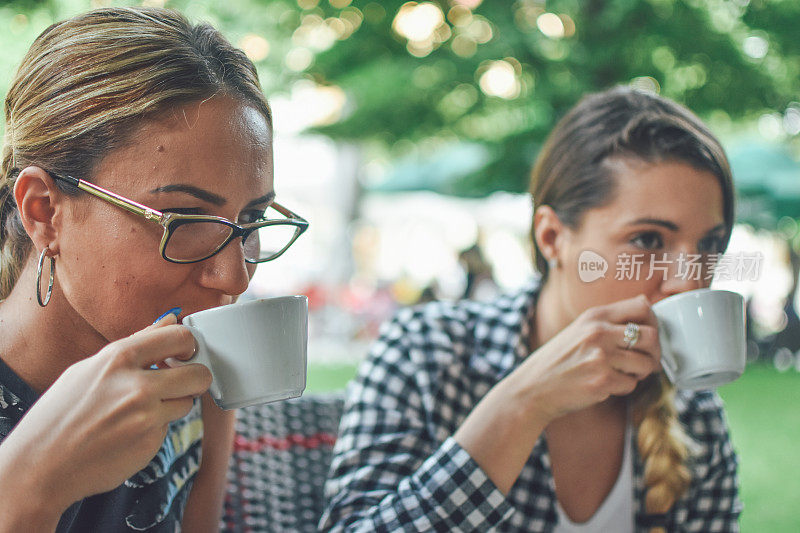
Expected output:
(550, 317)
(39, 343)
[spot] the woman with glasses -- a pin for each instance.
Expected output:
(547, 410)
(136, 186)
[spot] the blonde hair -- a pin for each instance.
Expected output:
(663, 444)
(87, 83)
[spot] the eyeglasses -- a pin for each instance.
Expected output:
(193, 238)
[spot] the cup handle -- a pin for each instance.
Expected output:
(200, 356)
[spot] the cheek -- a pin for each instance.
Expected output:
(121, 297)
(115, 279)
(598, 275)
(117, 256)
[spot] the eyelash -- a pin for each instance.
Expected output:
(253, 216)
(709, 245)
(247, 217)
(636, 240)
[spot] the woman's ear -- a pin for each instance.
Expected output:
(548, 232)
(37, 199)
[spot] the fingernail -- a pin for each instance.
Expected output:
(174, 311)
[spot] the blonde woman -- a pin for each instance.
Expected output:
(136, 179)
(547, 410)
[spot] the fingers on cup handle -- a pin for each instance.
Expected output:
(624, 384)
(188, 356)
(634, 363)
(192, 356)
(646, 340)
(196, 362)
(187, 380)
(174, 409)
(636, 310)
(146, 349)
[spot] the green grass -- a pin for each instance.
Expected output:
(327, 378)
(763, 408)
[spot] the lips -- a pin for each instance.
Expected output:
(188, 311)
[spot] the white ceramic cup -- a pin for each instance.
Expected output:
(702, 337)
(256, 350)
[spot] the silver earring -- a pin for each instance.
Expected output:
(552, 263)
(39, 277)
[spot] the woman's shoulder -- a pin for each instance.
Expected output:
(444, 333)
(430, 335)
(702, 414)
(463, 318)
(713, 461)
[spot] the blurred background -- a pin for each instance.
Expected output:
(405, 133)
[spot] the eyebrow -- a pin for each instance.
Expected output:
(208, 196)
(267, 198)
(669, 225)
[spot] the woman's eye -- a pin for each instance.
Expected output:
(249, 217)
(648, 240)
(711, 245)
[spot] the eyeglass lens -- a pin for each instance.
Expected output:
(197, 240)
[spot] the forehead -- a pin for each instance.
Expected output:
(668, 190)
(219, 144)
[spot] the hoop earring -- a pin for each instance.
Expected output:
(39, 277)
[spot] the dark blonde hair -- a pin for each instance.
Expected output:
(572, 175)
(87, 83)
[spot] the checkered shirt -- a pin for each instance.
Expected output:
(396, 466)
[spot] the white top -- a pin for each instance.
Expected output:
(616, 511)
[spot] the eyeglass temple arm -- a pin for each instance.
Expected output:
(140, 209)
(120, 201)
(286, 212)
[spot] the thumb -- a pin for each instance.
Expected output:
(167, 319)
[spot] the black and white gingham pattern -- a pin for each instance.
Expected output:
(277, 484)
(397, 468)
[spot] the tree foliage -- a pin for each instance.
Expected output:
(728, 60)
(493, 73)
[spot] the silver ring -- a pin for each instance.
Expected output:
(631, 335)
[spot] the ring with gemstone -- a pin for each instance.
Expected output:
(631, 335)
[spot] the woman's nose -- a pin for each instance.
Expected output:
(227, 271)
(683, 272)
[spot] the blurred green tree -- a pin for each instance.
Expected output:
(427, 80)
(501, 73)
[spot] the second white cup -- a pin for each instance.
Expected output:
(702, 337)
